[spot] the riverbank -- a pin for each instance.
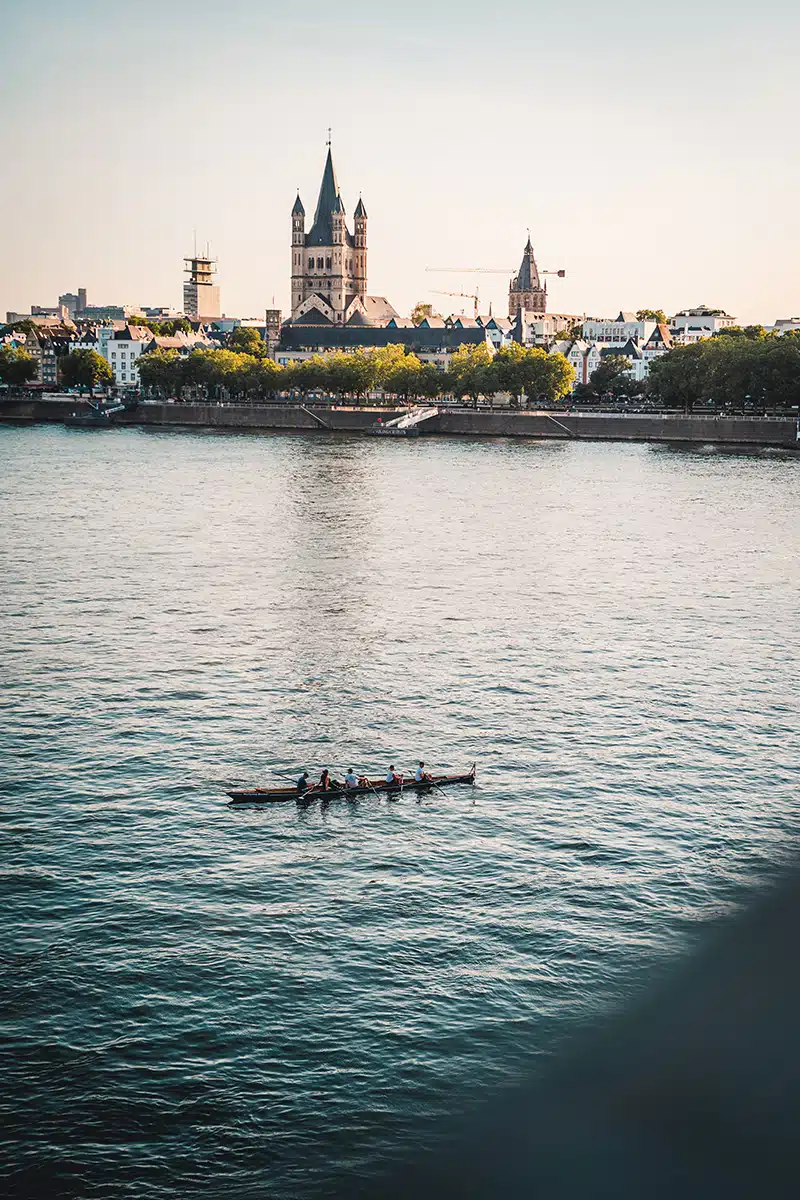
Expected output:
(311, 418)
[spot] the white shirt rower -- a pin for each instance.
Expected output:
(350, 780)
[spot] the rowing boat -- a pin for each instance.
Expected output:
(282, 795)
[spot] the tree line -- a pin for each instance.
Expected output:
(737, 368)
(473, 371)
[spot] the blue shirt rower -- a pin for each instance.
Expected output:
(302, 783)
(392, 777)
(421, 775)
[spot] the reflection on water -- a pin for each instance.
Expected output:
(200, 998)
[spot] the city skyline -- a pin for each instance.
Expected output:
(647, 157)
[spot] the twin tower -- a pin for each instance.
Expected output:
(329, 263)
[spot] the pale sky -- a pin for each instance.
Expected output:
(652, 150)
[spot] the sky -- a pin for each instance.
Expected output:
(650, 149)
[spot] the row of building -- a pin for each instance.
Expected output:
(332, 310)
(118, 342)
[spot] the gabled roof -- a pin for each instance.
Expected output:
(629, 350)
(660, 336)
(460, 322)
(627, 316)
(432, 323)
(358, 318)
(378, 309)
(401, 323)
(133, 333)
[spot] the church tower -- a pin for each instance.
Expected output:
(360, 250)
(298, 247)
(328, 262)
(525, 292)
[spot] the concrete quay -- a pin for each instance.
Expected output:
(453, 422)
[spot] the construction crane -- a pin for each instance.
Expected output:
(488, 271)
(473, 296)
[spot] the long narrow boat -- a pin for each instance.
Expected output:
(282, 795)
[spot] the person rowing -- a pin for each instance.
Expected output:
(302, 783)
(326, 784)
(421, 775)
(351, 780)
(393, 777)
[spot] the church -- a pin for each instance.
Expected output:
(329, 263)
(525, 292)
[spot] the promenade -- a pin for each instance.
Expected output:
(451, 421)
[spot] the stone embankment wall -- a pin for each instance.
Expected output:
(638, 427)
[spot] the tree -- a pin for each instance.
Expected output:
(17, 367)
(246, 341)
(161, 371)
(532, 372)
(420, 311)
(737, 368)
(472, 372)
(405, 378)
(652, 314)
(84, 369)
(612, 376)
(166, 328)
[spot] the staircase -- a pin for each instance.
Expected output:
(406, 425)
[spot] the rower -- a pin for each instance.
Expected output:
(421, 775)
(324, 784)
(302, 783)
(392, 777)
(350, 780)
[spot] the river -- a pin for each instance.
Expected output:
(200, 1000)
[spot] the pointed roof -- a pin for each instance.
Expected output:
(527, 278)
(329, 201)
(660, 336)
(360, 210)
(297, 208)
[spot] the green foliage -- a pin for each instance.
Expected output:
(472, 372)
(613, 377)
(743, 369)
(246, 341)
(420, 311)
(532, 373)
(24, 326)
(84, 369)
(161, 371)
(652, 314)
(166, 328)
(17, 367)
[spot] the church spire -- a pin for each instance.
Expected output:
(525, 291)
(326, 204)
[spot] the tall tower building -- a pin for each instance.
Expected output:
(525, 292)
(200, 293)
(329, 261)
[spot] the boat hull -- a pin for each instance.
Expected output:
(286, 795)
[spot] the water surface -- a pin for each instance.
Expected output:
(200, 1000)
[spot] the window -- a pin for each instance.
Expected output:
(311, 264)
(328, 264)
(319, 263)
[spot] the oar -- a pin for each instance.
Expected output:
(430, 783)
(369, 785)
